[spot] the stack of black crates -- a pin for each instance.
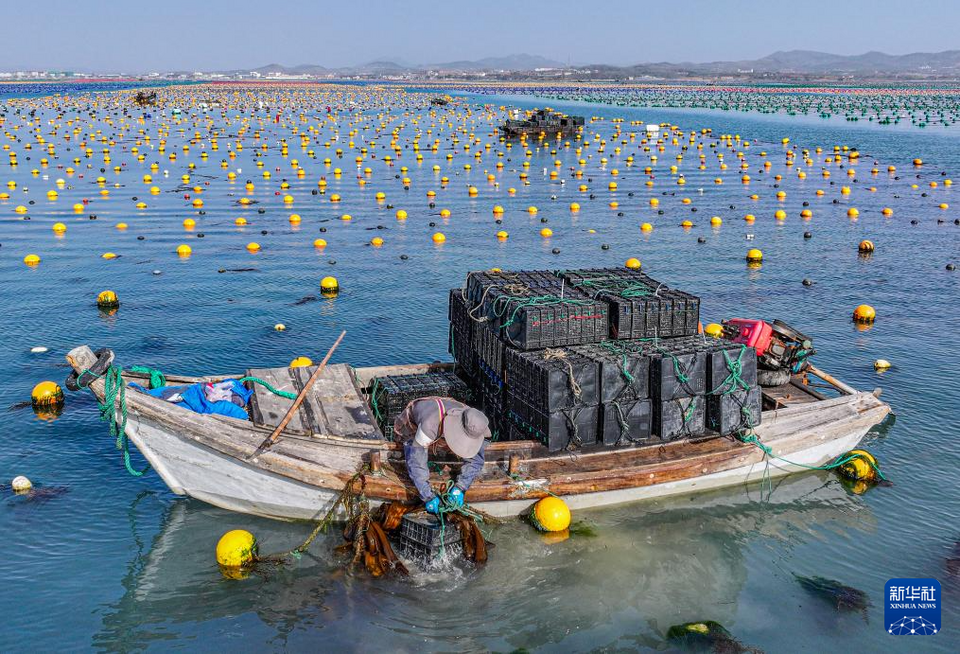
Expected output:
(596, 358)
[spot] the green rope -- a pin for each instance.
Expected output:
(275, 391)
(446, 506)
(114, 390)
(157, 380)
(501, 304)
(752, 439)
(733, 381)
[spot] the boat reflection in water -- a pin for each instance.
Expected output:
(648, 567)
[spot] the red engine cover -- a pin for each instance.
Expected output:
(752, 333)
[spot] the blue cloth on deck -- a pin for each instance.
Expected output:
(196, 400)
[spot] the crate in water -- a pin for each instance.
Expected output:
(626, 422)
(552, 379)
(734, 412)
(389, 396)
(568, 429)
(679, 418)
(422, 539)
(624, 372)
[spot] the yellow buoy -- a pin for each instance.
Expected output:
(546, 232)
(574, 206)
(633, 263)
(646, 227)
(294, 219)
(108, 300)
(46, 393)
(502, 235)
(376, 241)
(882, 364)
(550, 514)
(716, 221)
(531, 210)
(754, 255)
(852, 212)
(184, 250)
(301, 362)
(865, 246)
(280, 327)
(240, 221)
(864, 314)
(713, 329)
(319, 243)
(439, 237)
(189, 223)
(401, 214)
(59, 228)
(236, 549)
(329, 284)
(31, 259)
(860, 466)
(253, 246)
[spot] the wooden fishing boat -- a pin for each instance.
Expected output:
(218, 459)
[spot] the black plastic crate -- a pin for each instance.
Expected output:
(535, 318)
(677, 371)
(734, 412)
(626, 422)
(481, 283)
(680, 418)
(553, 379)
(461, 335)
(624, 371)
(423, 540)
(568, 429)
(640, 306)
(389, 396)
(489, 351)
(720, 367)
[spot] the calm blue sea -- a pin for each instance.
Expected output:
(104, 561)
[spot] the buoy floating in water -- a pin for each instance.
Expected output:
(21, 484)
(864, 314)
(108, 300)
(236, 549)
(330, 285)
(754, 256)
(301, 362)
(46, 393)
(882, 364)
(550, 514)
(861, 466)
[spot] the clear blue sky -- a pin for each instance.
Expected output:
(132, 36)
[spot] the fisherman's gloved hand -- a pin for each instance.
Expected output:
(455, 497)
(433, 505)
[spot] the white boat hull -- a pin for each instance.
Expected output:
(189, 468)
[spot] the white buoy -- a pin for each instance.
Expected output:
(21, 484)
(38, 349)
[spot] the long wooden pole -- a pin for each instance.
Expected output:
(272, 438)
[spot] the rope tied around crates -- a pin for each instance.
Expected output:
(556, 354)
(733, 381)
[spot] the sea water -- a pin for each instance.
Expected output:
(112, 562)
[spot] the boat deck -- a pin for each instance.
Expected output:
(333, 407)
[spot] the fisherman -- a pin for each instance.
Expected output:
(425, 425)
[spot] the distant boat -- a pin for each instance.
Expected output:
(333, 435)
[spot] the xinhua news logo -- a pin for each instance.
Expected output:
(912, 607)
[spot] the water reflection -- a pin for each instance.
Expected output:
(649, 567)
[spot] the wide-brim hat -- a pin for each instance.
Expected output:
(464, 431)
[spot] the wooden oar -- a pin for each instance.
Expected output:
(272, 438)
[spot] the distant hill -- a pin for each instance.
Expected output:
(806, 62)
(789, 63)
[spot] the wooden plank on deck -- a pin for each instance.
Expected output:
(269, 409)
(334, 406)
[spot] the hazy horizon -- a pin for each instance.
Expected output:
(178, 35)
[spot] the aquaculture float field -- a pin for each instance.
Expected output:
(99, 559)
(914, 106)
